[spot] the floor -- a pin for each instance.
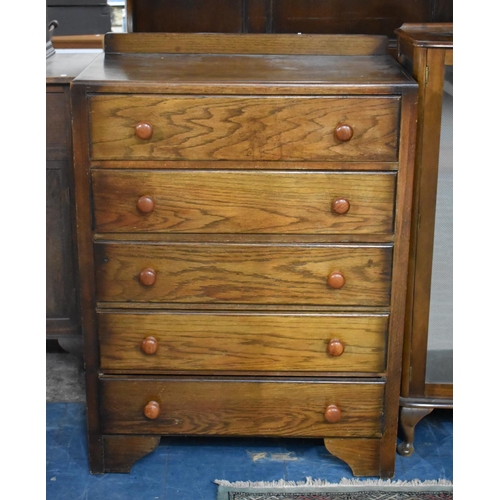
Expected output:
(185, 468)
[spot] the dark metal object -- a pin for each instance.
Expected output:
(49, 48)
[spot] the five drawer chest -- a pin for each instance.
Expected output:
(243, 207)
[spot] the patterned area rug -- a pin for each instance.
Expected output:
(314, 489)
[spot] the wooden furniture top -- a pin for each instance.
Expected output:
(247, 61)
(436, 35)
(245, 43)
(64, 67)
(78, 42)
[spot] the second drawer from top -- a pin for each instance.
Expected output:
(243, 202)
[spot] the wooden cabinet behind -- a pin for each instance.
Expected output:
(61, 280)
(427, 382)
(377, 17)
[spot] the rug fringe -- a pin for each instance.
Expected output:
(324, 483)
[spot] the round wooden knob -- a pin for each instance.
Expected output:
(341, 206)
(336, 280)
(333, 414)
(343, 132)
(145, 204)
(152, 410)
(147, 276)
(149, 345)
(144, 131)
(335, 347)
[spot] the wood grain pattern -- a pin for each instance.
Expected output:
(237, 341)
(362, 455)
(259, 274)
(244, 128)
(222, 43)
(241, 407)
(243, 202)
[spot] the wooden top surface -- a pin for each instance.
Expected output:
(64, 67)
(213, 64)
(78, 42)
(436, 35)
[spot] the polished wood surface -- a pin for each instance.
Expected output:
(430, 35)
(243, 202)
(239, 407)
(237, 74)
(231, 341)
(241, 310)
(217, 43)
(247, 129)
(244, 274)
(78, 41)
(63, 67)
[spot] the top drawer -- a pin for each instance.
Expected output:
(197, 128)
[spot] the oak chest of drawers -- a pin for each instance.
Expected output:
(242, 212)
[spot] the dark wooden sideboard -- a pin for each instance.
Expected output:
(376, 17)
(62, 310)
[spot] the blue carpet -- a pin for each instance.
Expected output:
(185, 468)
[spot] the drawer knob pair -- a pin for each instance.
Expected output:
(343, 132)
(332, 413)
(144, 131)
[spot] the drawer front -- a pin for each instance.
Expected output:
(241, 407)
(243, 128)
(243, 202)
(242, 342)
(243, 273)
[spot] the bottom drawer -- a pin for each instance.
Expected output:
(241, 407)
